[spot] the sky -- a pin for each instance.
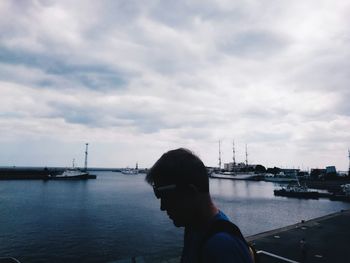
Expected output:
(138, 78)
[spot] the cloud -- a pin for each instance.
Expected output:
(145, 79)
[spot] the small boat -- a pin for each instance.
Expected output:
(74, 173)
(346, 189)
(344, 195)
(130, 171)
(297, 191)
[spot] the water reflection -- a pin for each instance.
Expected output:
(239, 188)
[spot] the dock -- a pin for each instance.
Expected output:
(327, 240)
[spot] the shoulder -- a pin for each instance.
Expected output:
(221, 216)
(223, 247)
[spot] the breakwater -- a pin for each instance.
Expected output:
(39, 173)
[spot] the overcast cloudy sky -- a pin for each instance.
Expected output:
(137, 78)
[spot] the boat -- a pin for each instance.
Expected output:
(344, 195)
(74, 173)
(346, 189)
(296, 191)
(130, 171)
(279, 178)
(235, 176)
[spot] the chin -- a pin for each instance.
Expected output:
(178, 223)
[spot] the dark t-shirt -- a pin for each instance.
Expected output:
(222, 247)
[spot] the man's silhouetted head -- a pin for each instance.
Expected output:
(180, 180)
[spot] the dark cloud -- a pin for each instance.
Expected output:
(109, 117)
(97, 77)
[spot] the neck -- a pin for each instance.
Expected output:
(204, 212)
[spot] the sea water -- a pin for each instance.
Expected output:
(116, 217)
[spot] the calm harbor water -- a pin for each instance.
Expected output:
(116, 217)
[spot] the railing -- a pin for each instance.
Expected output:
(8, 260)
(275, 256)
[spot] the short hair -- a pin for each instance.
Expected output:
(179, 166)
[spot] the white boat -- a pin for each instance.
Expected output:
(279, 178)
(245, 176)
(235, 176)
(73, 172)
(129, 171)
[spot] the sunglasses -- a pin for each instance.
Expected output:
(167, 190)
(164, 190)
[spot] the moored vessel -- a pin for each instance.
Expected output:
(344, 195)
(280, 178)
(71, 174)
(74, 173)
(296, 191)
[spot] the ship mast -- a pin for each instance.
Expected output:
(246, 155)
(233, 153)
(220, 155)
(349, 162)
(86, 156)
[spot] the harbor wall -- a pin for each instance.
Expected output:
(40, 173)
